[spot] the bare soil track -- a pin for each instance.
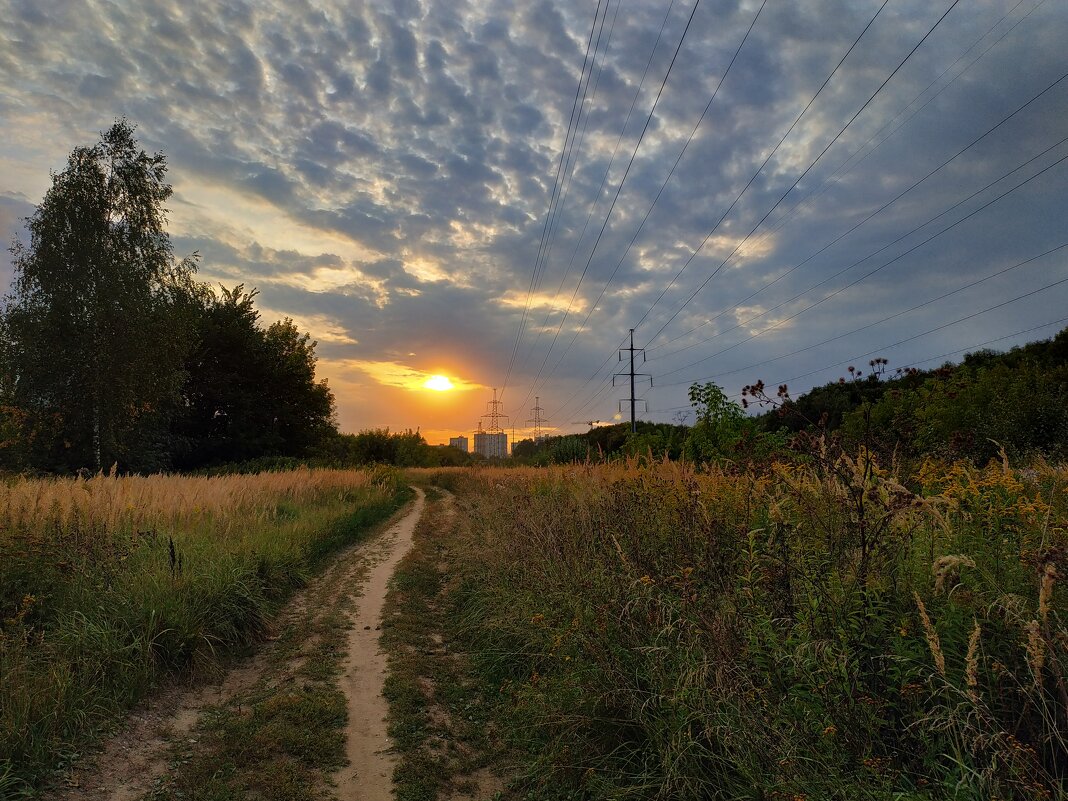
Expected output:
(131, 763)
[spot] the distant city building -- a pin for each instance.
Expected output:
(460, 443)
(492, 445)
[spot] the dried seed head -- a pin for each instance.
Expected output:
(932, 637)
(946, 569)
(1036, 650)
(971, 664)
(1045, 591)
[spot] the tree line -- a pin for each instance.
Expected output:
(111, 353)
(1015, 401)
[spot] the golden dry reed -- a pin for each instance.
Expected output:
(117, 503)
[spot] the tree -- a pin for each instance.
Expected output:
(95, 329)
(251, 392)
(721, 424)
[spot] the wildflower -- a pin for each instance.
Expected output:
(830, 731)
(646, 580)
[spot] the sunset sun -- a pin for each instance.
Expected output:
(439, 383)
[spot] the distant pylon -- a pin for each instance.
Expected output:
(632, 375)
(494, 415)
(537, 419)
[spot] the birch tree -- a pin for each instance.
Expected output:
(95, 327)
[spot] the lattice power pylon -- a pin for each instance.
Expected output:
(494, 415)
(537, 419)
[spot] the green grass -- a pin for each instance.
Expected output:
(284, 737)
(441, 718)
(654, 632)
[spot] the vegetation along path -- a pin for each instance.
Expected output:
(302, 719)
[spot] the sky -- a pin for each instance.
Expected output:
(497, 191)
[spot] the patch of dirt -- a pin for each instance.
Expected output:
(482, 785)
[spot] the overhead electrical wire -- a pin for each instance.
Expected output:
(674, 166)
(567, 270)
(969, 348)
(877, 269)
(809, 197)
(783, 218)
(876, 252)
(842, 289)
(879, 351)
(893, 316)
(803, 174)
(604, 178)
(576, 149)
(556, 183)
(848, 164)
(836, 174)
(626, 173)
(798, 180)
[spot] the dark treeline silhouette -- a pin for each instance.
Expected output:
(1016, 400)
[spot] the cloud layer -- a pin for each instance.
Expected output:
(383, 173)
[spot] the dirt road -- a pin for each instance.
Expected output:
(139, 759)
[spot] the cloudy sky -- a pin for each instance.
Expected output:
(414, 183)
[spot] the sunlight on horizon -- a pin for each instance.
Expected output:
(438, 383)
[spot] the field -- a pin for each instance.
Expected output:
(110, 585)
(818, 628)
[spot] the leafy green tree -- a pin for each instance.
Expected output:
(720, 423)
(96, 326)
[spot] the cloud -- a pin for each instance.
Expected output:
(386, 174)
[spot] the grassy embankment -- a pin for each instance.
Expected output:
(109, 584)
(821, 629)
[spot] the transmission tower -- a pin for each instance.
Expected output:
(494, 415)
(537, 419)
(630, 374)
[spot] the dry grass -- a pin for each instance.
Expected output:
(820, 627)
(109, 583)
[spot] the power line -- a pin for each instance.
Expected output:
(796, 181)
(556, 183)
(851, 360)
(855, 227)
(863, 356)
(943, 296)
(604, 178)
(834, 176)
(807, 106)
(682, 152)
(619, 189)
(880, 267)
(576, 149)
(768, 158)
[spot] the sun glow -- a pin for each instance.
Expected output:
(439, 383)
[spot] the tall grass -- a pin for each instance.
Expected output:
(820, 629)
(109, 583)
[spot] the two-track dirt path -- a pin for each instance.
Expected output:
(132, 762)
